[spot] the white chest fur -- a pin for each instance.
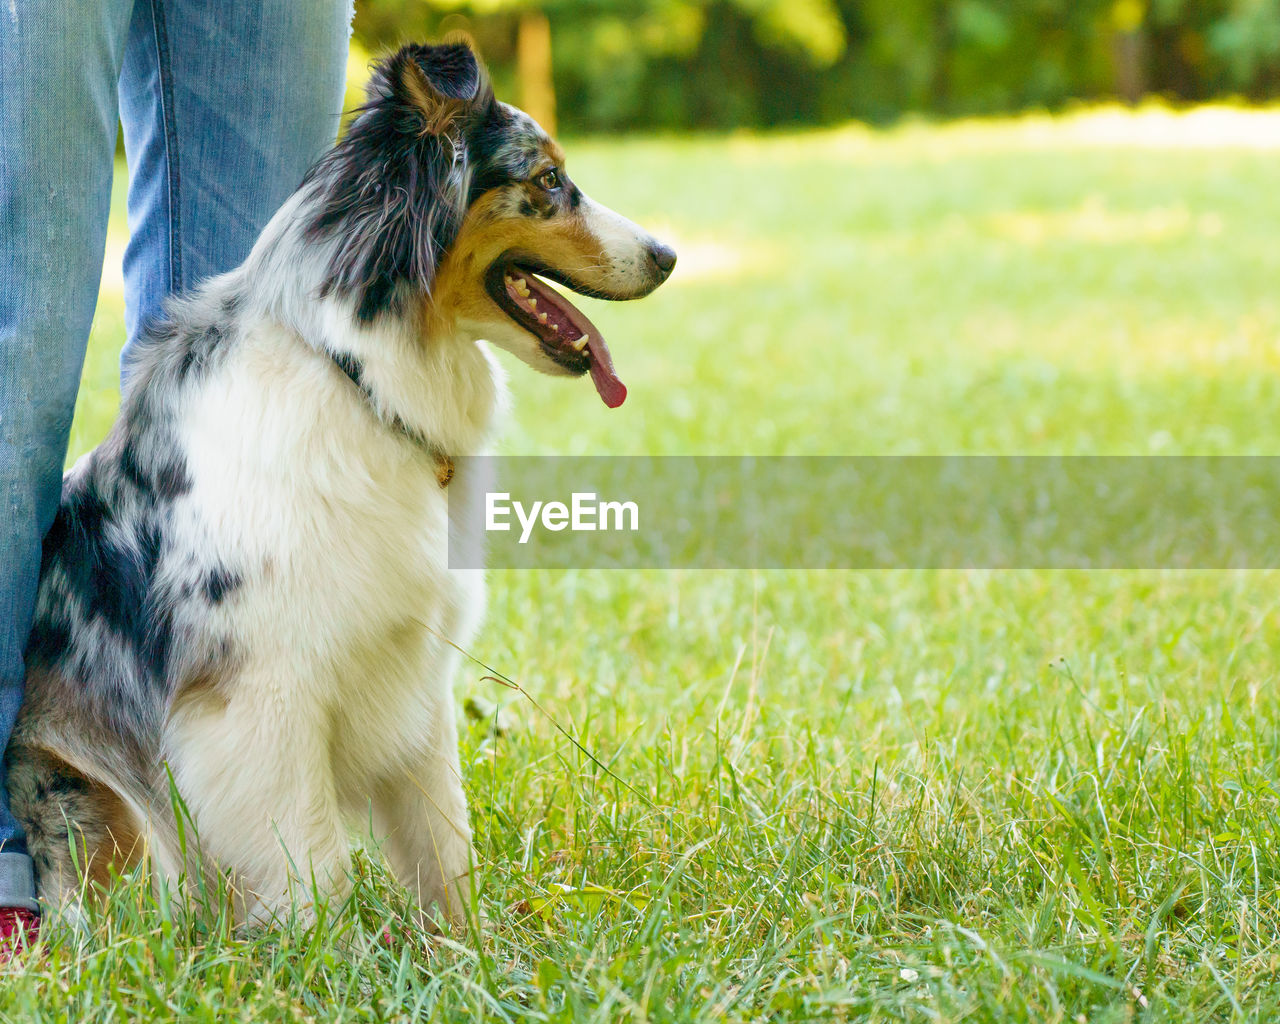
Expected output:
(336, 530)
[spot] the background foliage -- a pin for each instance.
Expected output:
(887, 797)
(669, 64)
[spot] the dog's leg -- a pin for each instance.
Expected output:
(420, 818)
(77, 829)
(254, 770)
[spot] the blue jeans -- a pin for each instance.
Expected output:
(225, 103)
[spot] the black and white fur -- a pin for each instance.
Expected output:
(246, 584)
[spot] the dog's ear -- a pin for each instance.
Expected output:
(390, 197)
(438, 83)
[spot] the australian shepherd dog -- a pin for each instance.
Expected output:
(245, 599)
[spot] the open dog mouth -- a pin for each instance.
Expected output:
(567, 336)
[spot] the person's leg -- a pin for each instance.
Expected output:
(225, 105)
(58, 70)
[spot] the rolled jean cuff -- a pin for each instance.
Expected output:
(17, 882)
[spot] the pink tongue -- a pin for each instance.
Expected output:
(612, 391)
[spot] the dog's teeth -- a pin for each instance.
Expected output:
(581, 343)
(533, 303)
(542, 318)
(522, 287)
(555, 327)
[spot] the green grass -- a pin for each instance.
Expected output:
(1018, 796)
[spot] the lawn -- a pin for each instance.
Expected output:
(995, 796)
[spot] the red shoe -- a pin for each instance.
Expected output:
(18, 930)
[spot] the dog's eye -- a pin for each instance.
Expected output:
(550, 180)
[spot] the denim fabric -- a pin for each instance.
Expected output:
(224, 104)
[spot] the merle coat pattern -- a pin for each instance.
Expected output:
(246, 589)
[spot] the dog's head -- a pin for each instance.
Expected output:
(444, 199)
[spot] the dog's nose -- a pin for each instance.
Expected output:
(663, 257)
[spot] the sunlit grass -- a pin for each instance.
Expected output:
(835, 796)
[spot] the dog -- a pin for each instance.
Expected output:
(245, 607)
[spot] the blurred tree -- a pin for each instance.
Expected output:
(533, 61)
(615, 43)
(622, 64)
(1127, 18)
(1247, 37)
